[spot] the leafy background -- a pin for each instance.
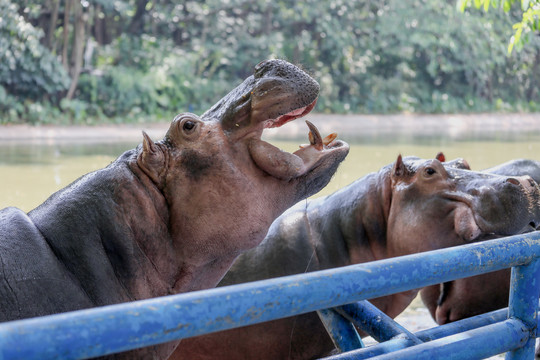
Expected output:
(92, 61)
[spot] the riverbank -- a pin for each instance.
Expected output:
(358, 127)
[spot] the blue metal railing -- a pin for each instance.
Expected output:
(115, 328)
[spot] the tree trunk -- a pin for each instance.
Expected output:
(65, 34)
(532, 88)
(98, 26)
(52, 24)
(78, 47)
(137, 22)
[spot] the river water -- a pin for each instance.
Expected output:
(35, 162)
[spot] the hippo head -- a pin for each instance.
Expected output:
(458, 205)
(222, 184)
(463, 298)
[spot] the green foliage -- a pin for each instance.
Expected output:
(27, 69)
(530, 17)
(162, 87)
(155, 61)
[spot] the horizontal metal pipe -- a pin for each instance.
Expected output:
(127, 326)
(463, 325)
(478, 343)
(425, 336)
(503, 336)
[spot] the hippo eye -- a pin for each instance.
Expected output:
(430, 171)
(189, 126)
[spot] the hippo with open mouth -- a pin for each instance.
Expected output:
(169, 216)
(407, 207)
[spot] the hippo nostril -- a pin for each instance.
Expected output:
(532, 224)
(513, 181)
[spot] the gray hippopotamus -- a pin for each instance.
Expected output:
(410, 206)
(169, 216)
(467, 297)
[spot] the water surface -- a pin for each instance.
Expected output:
(31, 172)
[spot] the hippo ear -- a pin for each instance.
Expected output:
(151, 159)
(399, 168)
(440, 156)
(463, 164)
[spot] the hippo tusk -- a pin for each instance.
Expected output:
(286, 166)
(315, 138)
(327, 140)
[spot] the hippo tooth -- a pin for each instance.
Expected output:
(315, 137)
(327, 140)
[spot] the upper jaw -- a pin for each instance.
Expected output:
(276, 93)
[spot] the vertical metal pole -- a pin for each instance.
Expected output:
(523, 304)
(342, 331)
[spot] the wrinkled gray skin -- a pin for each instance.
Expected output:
(169, 216)
(410, 206)
(467, 297)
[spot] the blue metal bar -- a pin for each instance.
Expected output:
(425, 336)
(523, 304)
(373, 321)
(472, 344)
(127, 326)
(463, 325)
(341, 331)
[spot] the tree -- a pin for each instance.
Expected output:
(140, 59)
(530, 17)
(27, 68)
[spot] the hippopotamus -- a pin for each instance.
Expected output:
(169, 216)
(467, 297)
(406, 207)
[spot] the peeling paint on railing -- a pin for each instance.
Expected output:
(115, 328)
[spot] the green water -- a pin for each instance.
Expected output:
(31, 173)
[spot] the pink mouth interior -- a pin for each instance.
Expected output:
(295, 114)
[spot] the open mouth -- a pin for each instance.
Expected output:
(295, 114)
(286, 166)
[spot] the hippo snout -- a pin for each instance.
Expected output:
(525, 181)
(291, 74)
(521, 184)
(526, 186)
(506, 205)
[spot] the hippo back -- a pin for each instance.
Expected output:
(31, 271)
(518, 167)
